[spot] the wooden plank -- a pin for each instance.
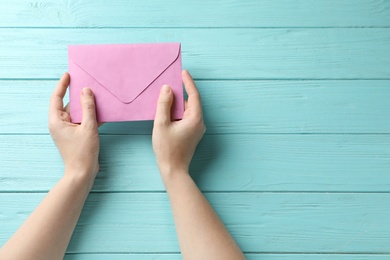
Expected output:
(250, 13)
(260, 222)
(234, 107)
(303, 53)
(127, 256)
(249, 256)
(355, 163)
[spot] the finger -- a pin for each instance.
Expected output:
(56, 102)
(185, 104)
(88, 108)
(164, 103)
(67, 108)
(64, 116)
(193, 95)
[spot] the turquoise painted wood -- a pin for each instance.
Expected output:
(249, 256)
(245, 107)
(215, 53)
(272, 162)
(296, 157)
(260, 222)
(220, 13)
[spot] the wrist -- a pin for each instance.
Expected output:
(80, 177)
(170, 175)
(177, 182)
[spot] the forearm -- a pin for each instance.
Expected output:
(201, 233)
(47, 231)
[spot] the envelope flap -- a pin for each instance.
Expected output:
(125, 70)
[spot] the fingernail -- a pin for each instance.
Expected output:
(87, 92)
(166, 89)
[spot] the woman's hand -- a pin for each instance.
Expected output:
(78, 144)
(174, 143)
(47, 231)
(201, 233)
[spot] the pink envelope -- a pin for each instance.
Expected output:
(126, 79)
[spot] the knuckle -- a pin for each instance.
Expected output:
(198, 119)
(52, 125)
(52, 98)
(89, 105)
(204, 128)
(160, 123)
(200, 126)
(164, 101)
(196, 94)
(97, 168)
(88, 126)
(64, 116)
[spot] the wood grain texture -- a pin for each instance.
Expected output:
(296, 157)
(355, 53)
(260, 222)
(220, 13)
(336, 163)
(275, 106)
(249, 256)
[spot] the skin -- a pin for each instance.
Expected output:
(201, 233)
(47, 231)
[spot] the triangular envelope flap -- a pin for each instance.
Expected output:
(125, 70)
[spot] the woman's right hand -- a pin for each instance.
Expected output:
(174, 143)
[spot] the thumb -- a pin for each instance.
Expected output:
(164, 103)
(88, 108)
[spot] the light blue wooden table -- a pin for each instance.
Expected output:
(296, 96)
